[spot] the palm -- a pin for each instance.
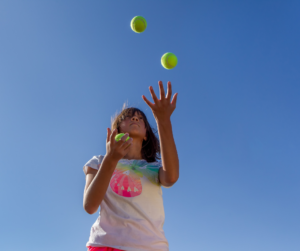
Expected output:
(162, 108)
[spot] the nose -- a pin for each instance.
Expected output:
(135, 119)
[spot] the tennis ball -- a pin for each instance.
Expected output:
(169, 60)
(138, 24)
(119, 136)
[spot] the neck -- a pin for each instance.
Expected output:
(135, 150)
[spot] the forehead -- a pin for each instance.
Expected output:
(132, 112)
(137, 114)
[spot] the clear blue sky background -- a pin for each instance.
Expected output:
(67, 66)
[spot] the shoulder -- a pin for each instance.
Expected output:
(93, 163)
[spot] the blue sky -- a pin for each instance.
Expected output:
(67, 66)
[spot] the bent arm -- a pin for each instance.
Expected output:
(97, 182)
(169, 173)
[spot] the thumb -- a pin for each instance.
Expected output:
(112, 136)
(108, 135)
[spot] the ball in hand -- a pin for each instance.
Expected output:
(119, 136)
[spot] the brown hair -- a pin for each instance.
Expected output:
(150, 147)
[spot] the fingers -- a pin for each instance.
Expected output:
(122, 140)
(174, 100)
(161, 90)
(153, 95)
(148, 102)
(123, 144)
(108, 135)
(127, 144)
(125, 136)
(169, 91)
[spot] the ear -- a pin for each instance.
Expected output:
(145, 138)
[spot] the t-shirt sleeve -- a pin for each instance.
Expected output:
(94, 163)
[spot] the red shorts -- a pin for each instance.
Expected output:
(102, 249)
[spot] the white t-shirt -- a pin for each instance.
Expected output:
(132, 213)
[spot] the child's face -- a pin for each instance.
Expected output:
(134, 125)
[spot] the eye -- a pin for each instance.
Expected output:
(141, 117)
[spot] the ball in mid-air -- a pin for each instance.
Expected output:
(169, 60)
(119, 136)
(138, 24)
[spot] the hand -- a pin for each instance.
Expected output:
(116, 150)
(162, 108)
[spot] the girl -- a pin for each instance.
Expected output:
(125, 182)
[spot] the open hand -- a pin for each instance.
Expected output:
(162, 108)
(116, 150)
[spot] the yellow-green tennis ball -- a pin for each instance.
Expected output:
(138, 24)
(169, 60)
(119, 136)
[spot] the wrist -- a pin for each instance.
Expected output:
(163, 122)
(110, 160)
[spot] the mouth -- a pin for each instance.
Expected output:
(134, 124)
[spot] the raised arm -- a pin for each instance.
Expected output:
(162, 110)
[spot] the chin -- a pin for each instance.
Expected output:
(136, 133)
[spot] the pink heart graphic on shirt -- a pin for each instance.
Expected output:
(126, 179)
(126, 184)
